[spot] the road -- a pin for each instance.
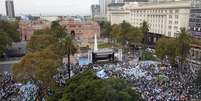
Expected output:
(5, 66)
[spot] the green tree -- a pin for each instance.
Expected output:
(124, 28)
(39, 66)
(105, 28)
(116, 33)
(40, 42)
(145, 29)
(57, 30)
(5, 41)
(87, 87)
(8, 34)
(167, 47)
(11, 28)
(184, 42)
(134, 35)
(69, 48)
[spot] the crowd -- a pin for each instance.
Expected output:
(8, 86)
(155, 82)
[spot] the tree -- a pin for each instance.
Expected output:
(184, 41)
(87, 87)
(5, 41)
(145, 30)
(68, 47)
(57, 30)
(124, 28)
(105, 28)
(134, 35)
(8, 34)
(41, 66)
(116, 33)
(40, 42)
(11, 28)
(167, 47)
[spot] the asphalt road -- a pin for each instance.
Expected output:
(5, 66)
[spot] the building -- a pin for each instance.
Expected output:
(117, 13)
(195, 19)
(164, 18)
(195, 56)
(27, 27)
(81, 29)
(95, 11)
(103, 6)
(10, 12)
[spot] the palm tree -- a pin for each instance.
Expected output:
(57, 30)
(68, 48)
(145, 30)
(184, 41)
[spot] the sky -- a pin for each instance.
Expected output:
(50, 7)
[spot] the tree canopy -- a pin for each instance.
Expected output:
(5, 41)
(87, 87)
(167, 47)
(174, 47)
(38, 65)
(125, 32)
(8, 34)
(105, 28)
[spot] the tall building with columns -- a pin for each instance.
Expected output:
(165, 18)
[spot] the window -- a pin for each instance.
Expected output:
(170, 16)
(176, 22)
(171, 11)
(176, 11)
(169, 27)
(176, 16)
(175, 28)
(169, 34)
(170, 22)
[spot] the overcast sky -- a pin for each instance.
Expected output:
(50, 7)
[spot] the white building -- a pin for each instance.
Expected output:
(117, 13)
(163, 18)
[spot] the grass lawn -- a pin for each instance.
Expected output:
(149, 56)
(104, 45)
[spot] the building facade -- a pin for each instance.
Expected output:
(195, 57)
(27, 27)
(117, 13)
(195, 19)
(81, 29)
(10, 12)
(95, 11)
(165, 18)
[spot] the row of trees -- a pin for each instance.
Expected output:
(175, 49)
(8, 33)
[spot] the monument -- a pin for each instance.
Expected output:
(97, 55)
